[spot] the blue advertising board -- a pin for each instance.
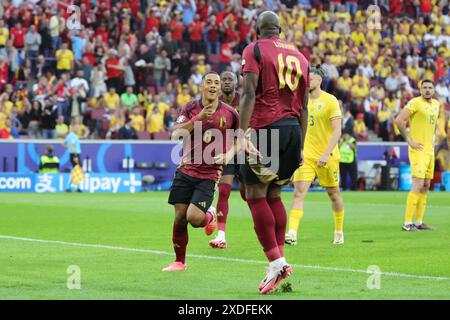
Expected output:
(53, 183)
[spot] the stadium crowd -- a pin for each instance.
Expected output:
(124, 69)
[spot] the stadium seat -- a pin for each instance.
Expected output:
(214, 58)
(144, 135)
(161, 135)
(105, 124)
(97, 114)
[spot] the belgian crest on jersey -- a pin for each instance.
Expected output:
(319, 106)
(223, 122)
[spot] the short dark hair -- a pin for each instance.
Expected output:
(209, 72)
(318, 70)
(425, 81)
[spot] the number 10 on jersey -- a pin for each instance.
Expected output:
(289, 73)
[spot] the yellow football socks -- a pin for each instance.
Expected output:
(421, 205)
(294, 219)
(338, 220)
(411, 206)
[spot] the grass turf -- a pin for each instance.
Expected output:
(38, 270)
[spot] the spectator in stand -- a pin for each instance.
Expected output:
(372, 105)
(226, 53)
(98, 80)
(184, 97)
(360, 129)
(8, 132)
(196, 34)
(335, 5)
(182, 65)
(155, 115)
(161, 69)
(348, 122)
(61, 128)
(79, 128)
(64, 59)
(33, 41)
(384, 117)
(212, 36)
(4, 35)
(443, 91)
(129, 99)
(392, 82)
(359, 93)
(344, 85)
(127, 132)
(137, 120)
(168, 96)
(144, 61)
(114, 71)
(18, 36)
(48, 119)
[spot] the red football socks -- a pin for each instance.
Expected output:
(180, 240)
(279, 213)
(222, 205)
(264, 223)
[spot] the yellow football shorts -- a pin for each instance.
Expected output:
(328, 175)
(422, 164)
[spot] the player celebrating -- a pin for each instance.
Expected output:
(231, 97)
(192, 190)
(321, 157)
(422, 113)
(275, 89)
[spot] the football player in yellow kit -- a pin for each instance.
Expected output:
(422, 114)
(321, 156)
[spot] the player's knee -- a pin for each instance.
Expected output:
(426, 186)
(299, 194)
(334, 194)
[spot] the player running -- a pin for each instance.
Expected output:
(275, 90)
(192, 190)
(231, 97)
(321, 157)
(422, 113)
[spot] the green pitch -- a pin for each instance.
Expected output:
(121, 242)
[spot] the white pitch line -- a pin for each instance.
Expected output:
(317, 267)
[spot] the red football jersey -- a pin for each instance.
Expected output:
(198, 152)
(235, 102)
(283, 80)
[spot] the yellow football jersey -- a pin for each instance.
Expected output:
(423, 117)
(320, 113)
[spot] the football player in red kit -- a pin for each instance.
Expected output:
(273, 101)
(207, 127)
(231, 97)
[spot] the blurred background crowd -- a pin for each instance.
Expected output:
(125, 68)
